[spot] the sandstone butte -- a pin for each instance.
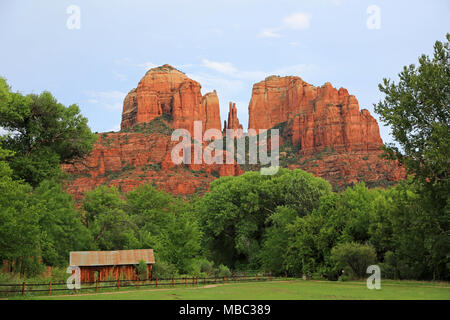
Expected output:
(322, 131)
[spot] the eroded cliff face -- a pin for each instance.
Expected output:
(167, 91)
(129, 159)
(233, 122)
(211, 111)
(317, 117)
(322, 131)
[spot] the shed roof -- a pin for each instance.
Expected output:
(111, 258)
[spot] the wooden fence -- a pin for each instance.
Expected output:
(98, 286)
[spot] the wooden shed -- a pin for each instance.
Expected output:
(111, 264)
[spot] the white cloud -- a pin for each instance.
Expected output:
(110, 100)
(229, 69)
(147, 65)
(295, 21)
(120, 76)
(298, 21)
(216, 31)
(269, 33)
(114, 106)
(221, 84)
(114, 94)
(222, 67)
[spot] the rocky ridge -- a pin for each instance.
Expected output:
(322, 131)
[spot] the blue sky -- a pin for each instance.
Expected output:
(226, 45)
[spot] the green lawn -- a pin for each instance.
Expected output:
(277, 290)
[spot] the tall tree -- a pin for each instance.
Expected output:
(61, 227)
(42, 132)
(19, 228)
(237, 211)
(418, 111)
(106, 219)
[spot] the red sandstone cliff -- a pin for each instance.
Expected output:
(165, 90)
(322, 131)
(233, 121)
(318, 117)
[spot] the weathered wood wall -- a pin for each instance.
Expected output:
(126, 272)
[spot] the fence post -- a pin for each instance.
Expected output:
(270, 274)
(96, 285)
(173, 283)
(224, 279)
(245, 276)
(215, 279)
(157, 282)
(256, 276)
(192, 281)
(23, 288)
(50, 288)
(185, 281)
(118, 283)
(137, 283)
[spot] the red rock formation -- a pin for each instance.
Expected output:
(317, 117)
(322, 131)
(233, 121)
(127, 160)
(165, 90)
(211, 109)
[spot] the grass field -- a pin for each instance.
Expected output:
(276, 290)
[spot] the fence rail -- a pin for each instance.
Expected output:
(50, 287)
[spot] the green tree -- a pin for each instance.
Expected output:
(418, 244)
(417, 109)
(19, 228)
(42, 132)
(166, 224)
(141, 270)
(110, 226)
(61, 227)
(340, 218)
(276, 239)
(354, 257)
(238, 210)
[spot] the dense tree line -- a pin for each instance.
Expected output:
(289, 223)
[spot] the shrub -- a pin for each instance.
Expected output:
(354, 256)
(390, 267)
(141, 270)
(163, 270)
(206, 266)
(223, 271)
